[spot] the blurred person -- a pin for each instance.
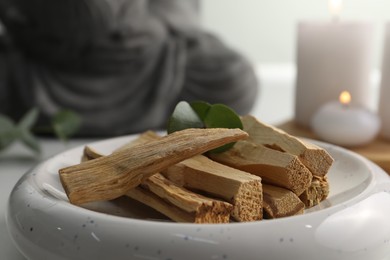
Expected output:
(121, 64)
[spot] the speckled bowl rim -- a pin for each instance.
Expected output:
(187, 229)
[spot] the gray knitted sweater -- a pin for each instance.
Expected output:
(121, 64)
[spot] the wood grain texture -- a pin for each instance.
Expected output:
(317, 191)
(315, 158)
(377, 151)
(112, 176)
(178, 203)
(273, 166)
(243, 190)
(165, 196)
(280, 202)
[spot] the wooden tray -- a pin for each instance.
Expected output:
(378, 151)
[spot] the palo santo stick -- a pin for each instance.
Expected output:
(161, 194)
(240, 188)
(317, 192)
(90, 153)
(113, 175)
(143, 138)
(274, 167)
(179, 204)
(279, 202)
(316, 159)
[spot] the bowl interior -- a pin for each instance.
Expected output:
(348, 176)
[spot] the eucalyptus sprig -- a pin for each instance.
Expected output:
(201, 114)
(63, 124)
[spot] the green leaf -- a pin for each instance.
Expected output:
(66, 123)
(28, 120)
(222, 116)
(201, 108)
(183, 117)
(200, 114)
(8, 132)
(29, 140)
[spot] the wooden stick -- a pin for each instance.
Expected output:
(279, 202)
(315, 158)
(90, 153)
(143, 138)
(163, 195)
(199, 173)
(241, 189)
(180, 204)
(112, 176)
(317, 192)
(273, 166)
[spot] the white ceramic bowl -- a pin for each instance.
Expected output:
(353, 223)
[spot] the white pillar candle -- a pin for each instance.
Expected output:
(331, 56)
(384, 100)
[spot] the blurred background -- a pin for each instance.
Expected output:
(265, 30)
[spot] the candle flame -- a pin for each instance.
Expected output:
(345, 98)
(335, 7)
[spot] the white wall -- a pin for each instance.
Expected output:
(264, 30)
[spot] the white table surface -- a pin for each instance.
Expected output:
(275, 105)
